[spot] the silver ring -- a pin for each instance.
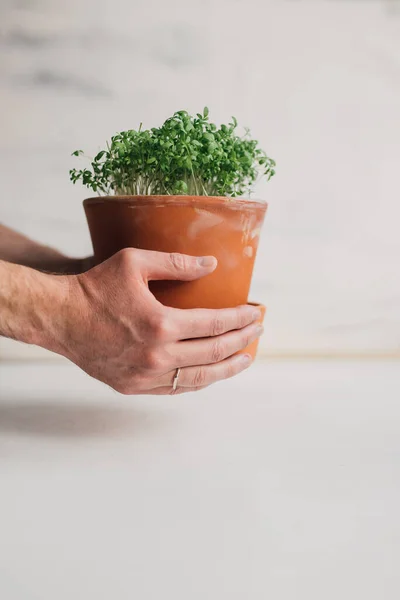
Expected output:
(176, 378)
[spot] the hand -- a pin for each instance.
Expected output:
(119, 333)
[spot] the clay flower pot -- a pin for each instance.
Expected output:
(226, 228)
(253, 347)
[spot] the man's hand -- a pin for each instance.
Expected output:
(108, 322)
(120, 334)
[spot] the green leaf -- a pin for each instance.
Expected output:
(182, 186)
(100, 155)
(186, 155)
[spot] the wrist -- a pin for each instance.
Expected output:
(50, 317)
(33, 306)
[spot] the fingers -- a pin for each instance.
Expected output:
(199, 323)
(168, 391)
(181, 267)
(200, 377)
(213, 350)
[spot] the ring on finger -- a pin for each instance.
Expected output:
(176, 379)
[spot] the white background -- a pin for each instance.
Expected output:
(318, 83)
(282, 483)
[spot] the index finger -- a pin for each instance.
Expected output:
(205, 322)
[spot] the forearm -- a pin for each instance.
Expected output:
(18, 249)
(32, 306)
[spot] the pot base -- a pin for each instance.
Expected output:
(253, 347)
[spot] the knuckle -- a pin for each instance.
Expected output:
(178, 261)
(160, 327)
(217, 326)
(231, 370)
(126, 257)
(245, 340)
(242, 319)
(126, 254)
(217, 353)
(152, 360)
(199, 378)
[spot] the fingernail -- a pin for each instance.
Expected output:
(207, 261)
(260, 330)
(257, 315)
(244, 359)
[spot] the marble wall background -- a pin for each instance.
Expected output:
(318, 82)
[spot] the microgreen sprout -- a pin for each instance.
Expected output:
(186, 155)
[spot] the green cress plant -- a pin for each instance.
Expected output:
(185, 156)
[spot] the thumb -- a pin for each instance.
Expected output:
(181, 267)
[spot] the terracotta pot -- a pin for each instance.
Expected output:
(252, 348)
(226, 228)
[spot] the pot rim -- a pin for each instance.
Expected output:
(258, 304)
(178, 200)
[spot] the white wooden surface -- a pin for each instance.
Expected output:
(283, 484)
